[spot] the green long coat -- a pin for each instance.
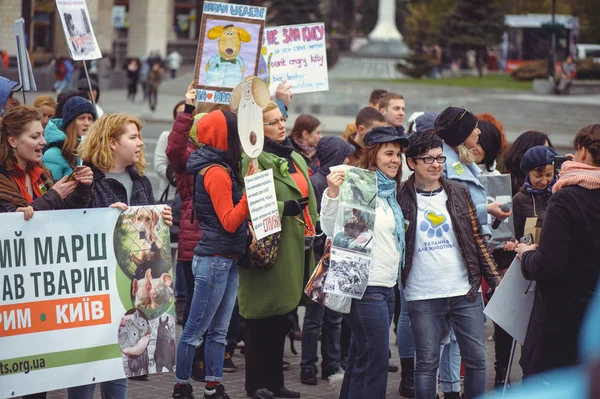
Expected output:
(277, 291)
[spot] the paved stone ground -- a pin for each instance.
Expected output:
(161, 385)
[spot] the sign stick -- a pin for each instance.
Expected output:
(87, 76)
(512, 355)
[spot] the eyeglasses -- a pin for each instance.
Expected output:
(429, 160)
(283, 119)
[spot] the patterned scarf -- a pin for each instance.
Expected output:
(532, 190)
(307, 150)
(386, 190)
(578, 174)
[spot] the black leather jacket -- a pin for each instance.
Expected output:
(467, 229)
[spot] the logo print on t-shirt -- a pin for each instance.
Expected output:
(434, 224)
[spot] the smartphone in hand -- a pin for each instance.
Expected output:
(72, 175)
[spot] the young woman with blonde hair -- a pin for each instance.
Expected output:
(113, 148)
(47, 105)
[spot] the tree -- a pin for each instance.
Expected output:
(474, 25)
(424, 20)
(290, 12)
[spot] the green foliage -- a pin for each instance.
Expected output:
(422, 25)
(291, 12)
(473, 24)
(417, 65)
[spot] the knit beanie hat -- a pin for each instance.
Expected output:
(540, 155)
(454, 125)
(74, 107)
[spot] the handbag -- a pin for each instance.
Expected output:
(260, 254)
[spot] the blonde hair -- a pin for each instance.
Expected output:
(464, 154)
(44, 100)
(270, 107)
(95, 149)
(69, 147)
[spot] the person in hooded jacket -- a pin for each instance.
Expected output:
(331, 151)
(59, 157)
(222, 210)
(7, 88)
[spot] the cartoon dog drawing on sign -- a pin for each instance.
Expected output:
(226, 69)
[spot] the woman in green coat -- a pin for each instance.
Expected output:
(267, 296)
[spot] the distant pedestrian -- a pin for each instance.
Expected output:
(174, 60)
(154, 80)
(133, 76)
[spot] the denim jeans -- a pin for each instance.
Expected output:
(369, 320)
(116, 389)
(404, 335)
(450, 363)
(315, 317)
(429, 318)
(215, 290)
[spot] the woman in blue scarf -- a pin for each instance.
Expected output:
(370, 317)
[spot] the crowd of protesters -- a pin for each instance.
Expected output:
(432, 268)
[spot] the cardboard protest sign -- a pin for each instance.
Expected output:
(262, 201)
(298, 54)
(350, 264)
(498, 188)
(23, 62)
(78, 29)
(511, 305)
(86, 296)
(248, 100)
(231, 36)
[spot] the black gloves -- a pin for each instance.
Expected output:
(294, 207)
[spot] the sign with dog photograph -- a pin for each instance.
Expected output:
(79, 32)
(86, 296)
(229, 46)
(298, 54)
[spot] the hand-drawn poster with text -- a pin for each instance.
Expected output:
(86, 296)
(298, 54)
(231, 36)
(79, 32)
(262, 201)
(350, 264)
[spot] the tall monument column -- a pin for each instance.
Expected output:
(149, 26)
(385, 41)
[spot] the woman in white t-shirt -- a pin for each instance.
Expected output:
(370, 317)
(446, 258)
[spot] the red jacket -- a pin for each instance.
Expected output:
(179, 150)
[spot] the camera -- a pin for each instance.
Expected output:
(558, 161)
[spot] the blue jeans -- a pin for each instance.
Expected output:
(429, 318)
(450, 364)
(315, 317)
(369, 321)
(404, 336)
(180, 287)
(215, 290)
(116, 389)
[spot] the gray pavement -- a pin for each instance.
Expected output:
(161, 385)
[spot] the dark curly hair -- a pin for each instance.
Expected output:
(421, 142)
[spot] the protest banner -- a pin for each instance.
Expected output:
(231, 37)
(350, 263)
(511, 304)
(23, 61)
(86, 296)
(298, 54)
(498, 188)
(78, 29)
(262, 201)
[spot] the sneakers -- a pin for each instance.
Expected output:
(228, 365)
(308, 376)
(198, 372)
(181, 391)
(393, 368)
(217, 392)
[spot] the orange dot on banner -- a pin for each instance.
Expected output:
(209, 95)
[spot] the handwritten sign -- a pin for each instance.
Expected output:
(262, 201)
(229, 46)
(297, 53)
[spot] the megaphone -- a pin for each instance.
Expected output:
(248, 100)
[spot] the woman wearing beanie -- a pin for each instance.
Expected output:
(370, 317)
(565, 265)
(267, 296)
(78, 114)
(458, 127)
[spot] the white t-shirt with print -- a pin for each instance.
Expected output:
(438, 267)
